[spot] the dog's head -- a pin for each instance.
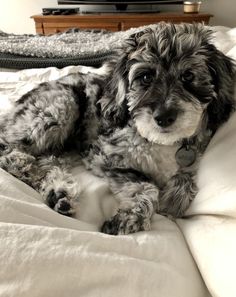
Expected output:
(171, 80)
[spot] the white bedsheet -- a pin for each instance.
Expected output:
(45, 254)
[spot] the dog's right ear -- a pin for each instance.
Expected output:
(114, 102)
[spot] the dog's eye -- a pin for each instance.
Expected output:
(146, 78)
(187, 76)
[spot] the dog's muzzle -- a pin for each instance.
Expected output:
(166, 117)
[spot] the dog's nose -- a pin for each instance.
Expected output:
(166, 117)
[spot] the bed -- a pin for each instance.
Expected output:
(43, 253)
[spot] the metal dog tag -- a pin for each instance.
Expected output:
(185, 156)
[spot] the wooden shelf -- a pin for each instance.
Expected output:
(111, 21)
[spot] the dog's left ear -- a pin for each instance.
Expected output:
(223, 73)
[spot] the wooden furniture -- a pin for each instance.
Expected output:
(111, 21)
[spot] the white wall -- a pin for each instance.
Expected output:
(224, 12)
(15, 14)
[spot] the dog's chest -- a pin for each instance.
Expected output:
(154, 160)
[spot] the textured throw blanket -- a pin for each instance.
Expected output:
(72, 43)
(74, 47)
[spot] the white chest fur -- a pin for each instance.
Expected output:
(157, 161)
(125, 148)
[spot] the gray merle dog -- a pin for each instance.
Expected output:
(143, 125)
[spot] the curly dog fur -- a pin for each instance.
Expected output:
(143, 125)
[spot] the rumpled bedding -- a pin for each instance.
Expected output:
(43, 253)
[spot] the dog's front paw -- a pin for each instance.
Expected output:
(126, 222)
(59, 190)
(60, 202)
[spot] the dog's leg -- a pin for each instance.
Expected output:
(51, 179)
(177, 195)
(58, 187)
(138, 202)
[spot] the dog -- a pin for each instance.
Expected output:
(143, 125)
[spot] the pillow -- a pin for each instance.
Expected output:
(210, 223)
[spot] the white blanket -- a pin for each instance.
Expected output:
(46, 254)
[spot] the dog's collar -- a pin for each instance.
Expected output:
(186, 155)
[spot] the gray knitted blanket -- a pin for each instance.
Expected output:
(74, 47)
(72, 43)
(69, 44)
